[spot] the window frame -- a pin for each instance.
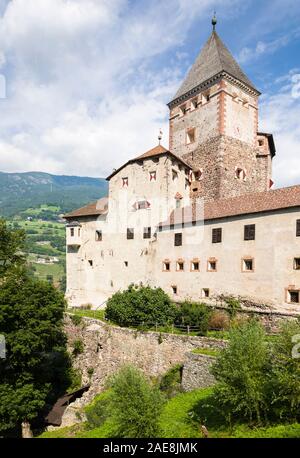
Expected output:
(130, 233)
(178, 235)
(216, 235)
(251, 234)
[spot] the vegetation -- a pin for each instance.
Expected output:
(140, 305)
(206, 351)
(194, 315)
(36, 368)
(170, 382)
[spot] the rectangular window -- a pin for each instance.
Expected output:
(174, 289)
(205, 292)
(179, 266)
(166, 266)
(178, 239)
(296, 263)
(72, 231)
(293, 296)
(190, 136)
(217, 235)
(90, 262)
(152, 176)
(130, 233)
(147, 232)
(125, 182)
(126, 263)
(98, 236)
(249, 232)
(195, 266)
(211, 265)
(298, 228)
(247, 265)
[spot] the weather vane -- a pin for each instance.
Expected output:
(160, 135)
(214, 21)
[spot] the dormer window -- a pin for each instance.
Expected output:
(190, 136)
(152, 176)
(240, 174)
(125, 182)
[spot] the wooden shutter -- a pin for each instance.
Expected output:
(217, 235)
(178, 239)
(249, 232)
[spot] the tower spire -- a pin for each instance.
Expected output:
(214, 21)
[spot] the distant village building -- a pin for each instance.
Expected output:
(198, 219)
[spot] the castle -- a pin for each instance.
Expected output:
(198, 219)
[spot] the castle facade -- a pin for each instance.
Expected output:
(199, 219)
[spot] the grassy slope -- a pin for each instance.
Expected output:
(180, 419)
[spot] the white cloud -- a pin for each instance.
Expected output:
(280, 114)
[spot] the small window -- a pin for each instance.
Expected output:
(298, 228)
(174, 175)
(260, 143)
(198, 175)
(296, 263)
(174, 289)
(211, 265)
(125, 182)
(195, 266)
(166, 266)
(179, 266)
(147, 232)
(249, 232)
(217, 235)
(182, 110)
(152, 176)
(205, 292)
(72, 231)
(90, 262)
(194, 104)
(248, 265)
(178, 239)
(126, 263)
(293, 296)
(98, 236)
(130, 234)
(190, 136)
(240, 174)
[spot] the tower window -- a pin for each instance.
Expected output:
(248, 265)
(98, 236)
(130, 233)
(298, 228)
(260, 143)
(125, 182)
(190, 136)
(178, 239)
(147, 232)
(240, 174)
(194, 104)
(249, 232)
(182, 110)
(152, 176)
(217, 235)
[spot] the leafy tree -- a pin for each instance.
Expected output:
(285, 374)
(140, 304)
(242, 373)
(194, 314)
(135, 405)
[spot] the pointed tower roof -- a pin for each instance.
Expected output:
(213, 60)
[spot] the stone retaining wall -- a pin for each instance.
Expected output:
(196, 372)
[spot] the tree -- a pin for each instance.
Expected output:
(140, 304)
(134, 404)
(36, 368)
(242, 371)
(12, 243)
(194, 314)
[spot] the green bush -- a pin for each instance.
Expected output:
(241, 371)
(134, 405)
(170, 382)
(140, 304)
(78, 347)
(76, 319)
(233, 305)
(98, 411)
(194, 314)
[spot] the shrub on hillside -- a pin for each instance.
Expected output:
(195, 315)
(219, 321)
(170, 382)
(140, 304)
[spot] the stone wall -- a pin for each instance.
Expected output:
(196, 372)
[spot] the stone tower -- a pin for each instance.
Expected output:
(214, 126)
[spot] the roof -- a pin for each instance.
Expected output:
(100, 207)
(212, 60)
(237, 206)
(157, 151)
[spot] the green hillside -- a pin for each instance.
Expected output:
(22, 191)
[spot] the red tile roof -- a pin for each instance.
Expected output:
(100, 207)
(157, 151)
(242, 205)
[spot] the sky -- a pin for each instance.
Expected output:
(84, 83)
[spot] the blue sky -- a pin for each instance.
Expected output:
(88, 80)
